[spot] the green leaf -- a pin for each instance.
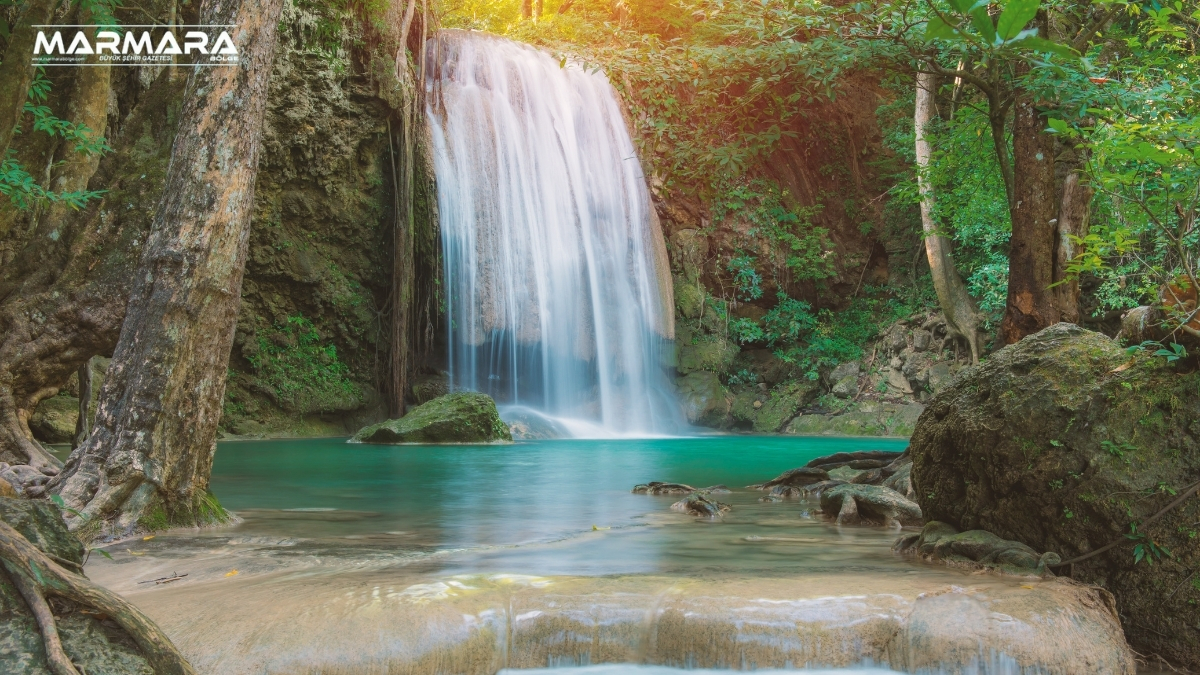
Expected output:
(937, 29)
(104, 553)
(1037, 44)
(58, 501)
(1016, 14)
(983, 23)
(1058, 126)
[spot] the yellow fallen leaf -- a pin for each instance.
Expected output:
(1025, 586)
(132, 552)
(596, 529)
(1121, 368)
(231, 573)
(147, 538)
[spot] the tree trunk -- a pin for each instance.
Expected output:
(16, 72)
(962, 316)
(63, 303)
(526, 9)
(147, 462)
(1073, 215)
(82, 428)
(1033, 248)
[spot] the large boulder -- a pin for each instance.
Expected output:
(1065, 442)
(465, 417)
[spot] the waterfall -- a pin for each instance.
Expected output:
(556, 287)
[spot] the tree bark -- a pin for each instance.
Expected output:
(1074, 212)
(526, 9)
(1032, 254)
(962, 315)
(63, 302)
(148, 460)
(16, 72)
(82, 428)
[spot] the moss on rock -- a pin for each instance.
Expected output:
(465, 417)
(1065, 442)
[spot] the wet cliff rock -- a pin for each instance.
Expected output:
(1068, 443)
(465, 417)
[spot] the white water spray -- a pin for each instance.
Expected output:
(556, 281)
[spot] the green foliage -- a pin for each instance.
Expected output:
(747, 281)
(16, 183)
(1146, 548)
(302, 373)
(796, 248)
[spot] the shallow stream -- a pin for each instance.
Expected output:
(474, 559)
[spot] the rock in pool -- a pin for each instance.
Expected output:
(697, 504)
(855, 504)
(465, 417)
(659, 488)
(941, 541)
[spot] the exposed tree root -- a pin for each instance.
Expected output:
(60, 663)
(37, 576)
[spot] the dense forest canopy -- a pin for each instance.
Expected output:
(1107, 89)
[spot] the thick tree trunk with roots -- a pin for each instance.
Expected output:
(148, 460)
(962, 315)
(33, 354)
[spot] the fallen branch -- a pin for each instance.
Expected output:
(175, 576)
(46, 577)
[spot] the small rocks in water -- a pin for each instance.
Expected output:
(660, 488)
(856, 504)
(793, 478)
(697, 504)
(941, 541)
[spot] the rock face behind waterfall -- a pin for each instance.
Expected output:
(465, 417)
(1064, 442)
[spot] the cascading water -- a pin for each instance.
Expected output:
(556, 280)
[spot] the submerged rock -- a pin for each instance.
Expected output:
(465, 417)
(940, 541)
(1062, 442)
(856, 504)
(697, 504)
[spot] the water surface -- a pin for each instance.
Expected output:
(545, 507)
